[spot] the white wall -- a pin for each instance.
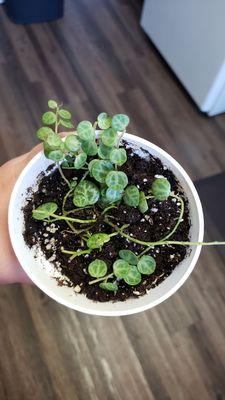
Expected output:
(190, 34)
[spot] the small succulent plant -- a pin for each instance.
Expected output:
(99, 157)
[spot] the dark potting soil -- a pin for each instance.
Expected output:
(141, 169)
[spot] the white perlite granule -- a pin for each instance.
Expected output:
(51, 269)
(77, 289)
(52, 228)
(160, 176)
(138, 151)
(52, 258)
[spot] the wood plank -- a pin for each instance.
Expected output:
(96, 59)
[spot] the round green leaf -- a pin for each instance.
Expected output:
(146, 265)
(54, 141)
(55, 155)
(64, 114)
(118, 156)
(52, 104)
(100, 169)
(133, 277)
(90, 165)
(116, 180)
(103, 201)
(44, 211)
(128, 256)
(97, 268)
(72, 143)
(87, 193)
(113, 195)
(104, 121)
(80, 160)
(109, 137)
(112, 287)
(49, 118)
(46, 148)
(131, 196)
(90, 148)
(121, 268)
(161, 189)
(104, 151)
(80, 200)
(143, 205)
(43, 132)
(97, 240)
(66, 123)
(120, 122)
(85, 131)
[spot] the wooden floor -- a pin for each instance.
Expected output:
(98, 59)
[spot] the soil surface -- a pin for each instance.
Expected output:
(141, 169)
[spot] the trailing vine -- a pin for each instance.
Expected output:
(102, 183)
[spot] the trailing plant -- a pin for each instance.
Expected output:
(46, 212)
(100, 157)
(128, 267)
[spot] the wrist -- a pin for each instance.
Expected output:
(12, 273)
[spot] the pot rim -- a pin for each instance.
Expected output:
(177, 167)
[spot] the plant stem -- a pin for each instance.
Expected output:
(76, 210)
(161, 242)
(56, 131)
(107, 209)
(77, 231)
(64, 212)
(167, 242)
(143, 252)
(113, 234)
(75, 253)
(84, 176)
(56, 122)
(68, 231)
(120, 138)
(101, 279)
(79, 221)
(179, 218)
(62, 175)
(175, 227)
(68, 168)
(119, 230)
(65, 200)
(72, 227)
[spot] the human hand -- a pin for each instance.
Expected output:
(10, 269)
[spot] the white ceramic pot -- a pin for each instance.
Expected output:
(38, 269)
